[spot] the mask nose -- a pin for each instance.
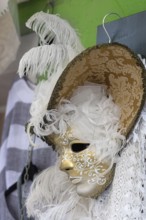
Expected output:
(66, 165)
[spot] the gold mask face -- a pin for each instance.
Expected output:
(78, 159)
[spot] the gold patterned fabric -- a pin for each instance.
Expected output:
(118, 68)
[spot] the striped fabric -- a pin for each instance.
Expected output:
(14, 147)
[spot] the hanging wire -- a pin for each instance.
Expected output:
(103, 23)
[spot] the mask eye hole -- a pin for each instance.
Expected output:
(77, 147)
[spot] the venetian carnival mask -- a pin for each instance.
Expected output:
(79, 160)
(116, 67)
(90, 162)
(88, 128)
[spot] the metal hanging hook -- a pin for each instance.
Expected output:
(103, 23)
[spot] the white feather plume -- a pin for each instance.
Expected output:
(44, 61)
(43, 65)
(51, 27)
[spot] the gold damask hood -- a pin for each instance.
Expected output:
(113, 65)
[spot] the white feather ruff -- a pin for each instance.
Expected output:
(51, 27)
(93, 118)
(46, 203)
